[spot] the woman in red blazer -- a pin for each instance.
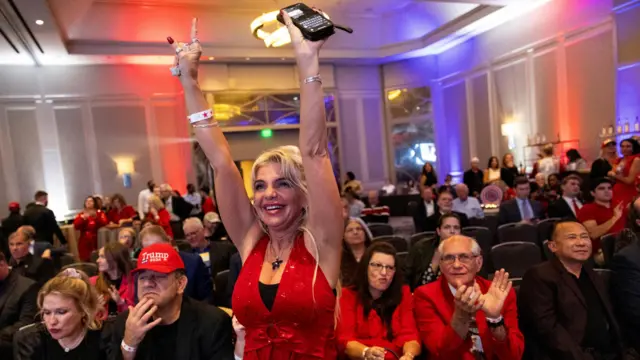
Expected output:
(376, 314)
(484, 311)
(88, 222)
(114, 283)
(159, 215)
(121, 213)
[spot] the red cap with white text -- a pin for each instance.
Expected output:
(161, 257)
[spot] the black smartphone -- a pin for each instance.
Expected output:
(313, 25)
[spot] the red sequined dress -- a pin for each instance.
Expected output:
(297, 327)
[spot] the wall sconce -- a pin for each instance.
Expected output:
(125, 168)
(509, 130)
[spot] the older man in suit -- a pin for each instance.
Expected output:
(43, 219)
(444, 206)
(17, 305)
(568, 205)
(565, 312)
(26, 264)
(520, 209)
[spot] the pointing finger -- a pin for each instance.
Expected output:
(194, 28)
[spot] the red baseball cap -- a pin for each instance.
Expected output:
(161, 257)
(14, 206)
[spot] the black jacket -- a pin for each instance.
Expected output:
(181, 207)
(625, 286)
(44, 222)
(11, 223)
(17, 307)
(35, 268)
(474, 181)
(509, 211)
(419, 259)
(30, 344)
(205, 334)
(560, 209)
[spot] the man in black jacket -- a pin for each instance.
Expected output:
(17, 305)
(34, 267)
(43, 220)
(165, 324)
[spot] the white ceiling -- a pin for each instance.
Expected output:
(133, 31)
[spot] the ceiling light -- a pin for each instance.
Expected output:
(247, 59)
(211, 58)
(278, 37)
(39, 22)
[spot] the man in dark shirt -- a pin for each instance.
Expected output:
(150, 330)
(474, 178)
(601, 166)
(43, 219)
(34, 267)
(565, 311)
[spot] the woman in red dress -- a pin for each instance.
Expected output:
(376, 314)
(290, 238)
(88, 222)
(625, 173)
(159, 215)
(120, 213)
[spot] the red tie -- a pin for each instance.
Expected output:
(575, 207)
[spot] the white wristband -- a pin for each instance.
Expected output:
(127, 348)
(495, 320)
(199, 116)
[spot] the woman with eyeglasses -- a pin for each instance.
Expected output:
(376, 313)
(423, 265)
(357, 238)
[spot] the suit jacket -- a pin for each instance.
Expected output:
(625, 286)
(220, 253)
(434, 307)
(44, 222)
(199, 286)
(560, 209)
(17, 308)
(181, 207)
(11, 223)
(419, 259)
(553, 312)
(473, 180)
(205, 334)
(510, 212)
(39, 247)
(420, 216)
(235, 265)
(35, 268)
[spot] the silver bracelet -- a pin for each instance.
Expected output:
(311, 79)
(207, 125)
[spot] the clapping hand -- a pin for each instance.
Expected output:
(138, 324)
(493, 300)
(188, 55)
(468, 300)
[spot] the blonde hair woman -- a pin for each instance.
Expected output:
(290, 238)
(70, 328)
(159, 215)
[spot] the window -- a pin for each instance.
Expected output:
(412, 142)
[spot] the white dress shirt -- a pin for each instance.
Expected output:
(430, 208)
(570, 203)
(470, 207)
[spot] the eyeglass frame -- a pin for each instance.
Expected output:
(378, 267)
(471, 257)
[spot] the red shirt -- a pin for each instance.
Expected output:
(163, 220)
(601, 214)
(434, 308)
(127, 212)
(207, 205)
(370, 331)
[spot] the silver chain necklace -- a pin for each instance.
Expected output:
(75, 344)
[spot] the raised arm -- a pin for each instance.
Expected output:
(233, 202)
(325, 214)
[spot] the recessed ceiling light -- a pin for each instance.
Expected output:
(39, 22)
(283, 59)
(211, 58)
(247, 58)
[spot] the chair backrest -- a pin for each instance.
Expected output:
(402, 259)
(608, 243)
(484, 238)
(380, 229)
(516, 257)
(398, 242)
(548, 254)
(90, 269)
(605, 275)
(220, 286)
(517, 232)
(421, 236)
(545, 227)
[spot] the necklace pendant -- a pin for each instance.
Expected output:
(275, 265)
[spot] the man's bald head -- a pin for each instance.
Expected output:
(373, 198)
(462, 191)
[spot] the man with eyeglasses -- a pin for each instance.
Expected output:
(463, 316)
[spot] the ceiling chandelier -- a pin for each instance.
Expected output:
(279, 36)
(276, 38)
